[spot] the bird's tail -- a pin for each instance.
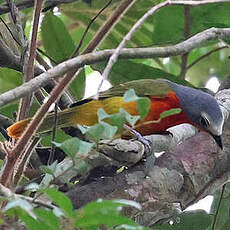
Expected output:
(63, 120)
(16, 130)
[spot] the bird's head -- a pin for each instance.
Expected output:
(202, 110)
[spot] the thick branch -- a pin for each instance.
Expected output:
(77, 62)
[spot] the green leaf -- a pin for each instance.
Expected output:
(104, 212)
(102, 114)
(47, 216)
(82, 13)
(9, 79)
(23, 204)
(74, 147)
(226, 225)
(109, 220)
(31, 223)
(132, 120)
(127, 70)
(117, 119)
(143, 106)
(61, 200)
(46, 169)
(201, 18)
(82, 128)
(77, 86)
(101, 130)
(192, 220)
(173, 16)
(130, 95)
(143, 103)
(170, 112)
(56, 38)
(50, 169)
(224, 210)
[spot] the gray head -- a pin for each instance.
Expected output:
(202, 110)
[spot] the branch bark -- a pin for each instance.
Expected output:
(77, 62)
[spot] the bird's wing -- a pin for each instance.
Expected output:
(156, 88)
(143, 87)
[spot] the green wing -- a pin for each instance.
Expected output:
(143, 87)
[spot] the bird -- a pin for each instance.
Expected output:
(197, 108)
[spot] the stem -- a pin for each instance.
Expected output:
(87, 29)
(205, 55)
(29, 67)
(184, 58)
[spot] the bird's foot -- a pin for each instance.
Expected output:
(144, 141)
(149, 156)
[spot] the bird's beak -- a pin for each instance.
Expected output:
(218, 140)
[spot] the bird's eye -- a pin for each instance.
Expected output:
(204, 121)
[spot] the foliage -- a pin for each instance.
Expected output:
(60, 35)
(92, 216)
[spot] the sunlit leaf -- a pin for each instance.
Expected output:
(74, 147)
(104, 212)
(130, 95)
(56, 38)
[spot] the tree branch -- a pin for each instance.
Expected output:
(91, 58)
(29, 66)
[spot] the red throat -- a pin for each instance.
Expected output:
(159, 105)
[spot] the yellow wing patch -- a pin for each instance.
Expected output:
(86, 114)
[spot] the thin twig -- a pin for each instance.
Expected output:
(29, 70)
(8, 193)
(54, 132)
(205, 55)
(46, 55)
(87, 28)
(24, 159)
(184, 58)
(12, 10)
(7, 27)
